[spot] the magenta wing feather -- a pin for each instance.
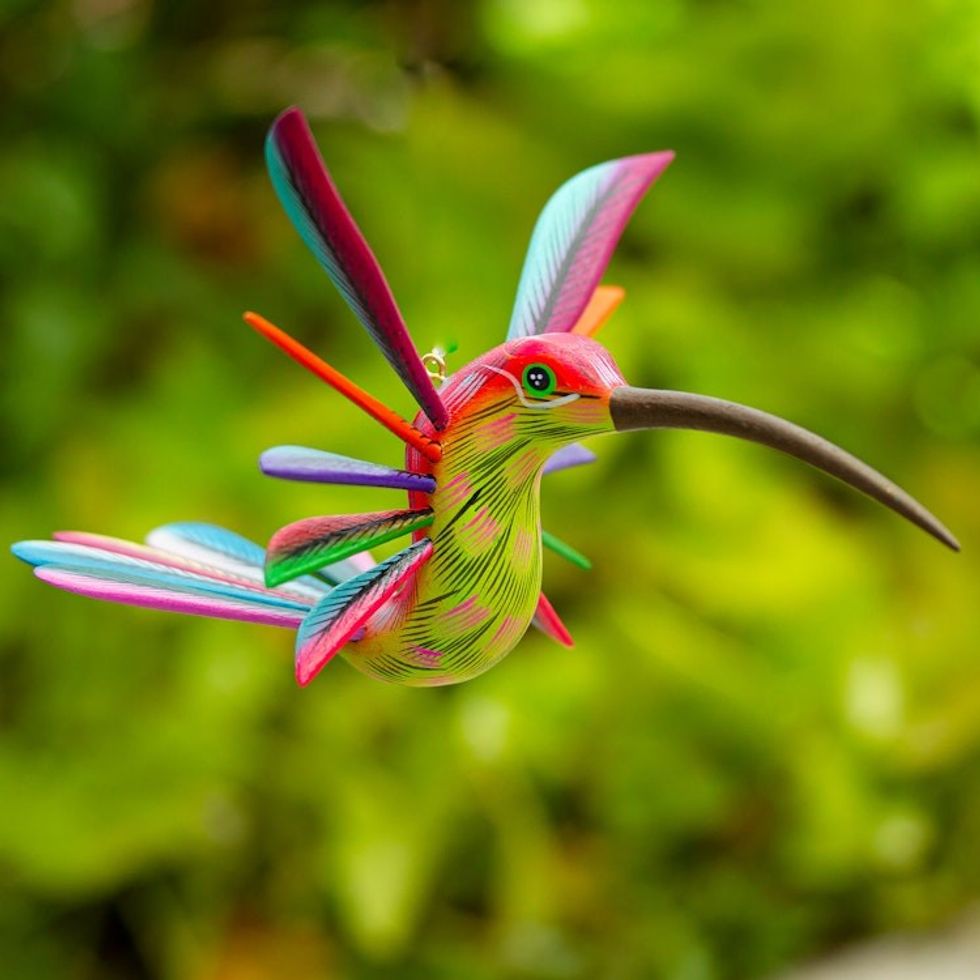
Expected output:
(158, 597)
(335, 620)
(574, 238)
(316, 209)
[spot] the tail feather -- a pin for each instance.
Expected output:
(227, 585)
(155, 597)
(207, 543)
(242, 574)
(142, 571)
(223, 549)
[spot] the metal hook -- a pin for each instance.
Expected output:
(435, 365)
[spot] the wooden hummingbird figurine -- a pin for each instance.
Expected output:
(459, 597)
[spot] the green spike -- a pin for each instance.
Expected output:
(283, 565)
(567, 552)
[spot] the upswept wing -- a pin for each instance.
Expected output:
(573, 240)
(320, 216)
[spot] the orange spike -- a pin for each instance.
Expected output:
(600, 308)
(389, 419)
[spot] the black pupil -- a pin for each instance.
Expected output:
(537, 379)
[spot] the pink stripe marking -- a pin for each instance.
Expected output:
(522, 469)
(498, 431)
(457, 490)
(427, 657)
(466, 615)
(523, 543)
(483, 527)
(508, 625)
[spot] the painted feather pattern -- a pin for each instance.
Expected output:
(207, 543)
(201, 562)
(314, 542)
(153, 596)
(124, 568)
(317, 466)
(220, 548)
(159, 584)
(338, 616)
(573, 240)
(315, 207)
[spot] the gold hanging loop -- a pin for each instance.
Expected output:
(435, 365)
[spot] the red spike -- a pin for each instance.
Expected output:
(549, 622)
(368, 403)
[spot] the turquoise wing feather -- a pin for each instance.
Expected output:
(573, 240)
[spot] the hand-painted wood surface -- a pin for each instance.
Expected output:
(455, 601)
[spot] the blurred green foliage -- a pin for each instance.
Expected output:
(765, 743)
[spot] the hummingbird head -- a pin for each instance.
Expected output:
(532, 395)
(537, 392)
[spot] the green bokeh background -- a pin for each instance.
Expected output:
(764, 745)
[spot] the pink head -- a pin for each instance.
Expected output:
(553, 388)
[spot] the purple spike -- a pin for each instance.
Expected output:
(568, 456)
(317, 466)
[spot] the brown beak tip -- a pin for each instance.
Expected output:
(643, 408)
(950, 542)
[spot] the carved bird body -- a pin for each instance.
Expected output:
(457, 599)
(481, 587)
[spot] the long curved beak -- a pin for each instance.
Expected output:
(650, 408)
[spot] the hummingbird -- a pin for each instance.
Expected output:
(467, 586)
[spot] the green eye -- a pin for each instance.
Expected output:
(539, 380)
